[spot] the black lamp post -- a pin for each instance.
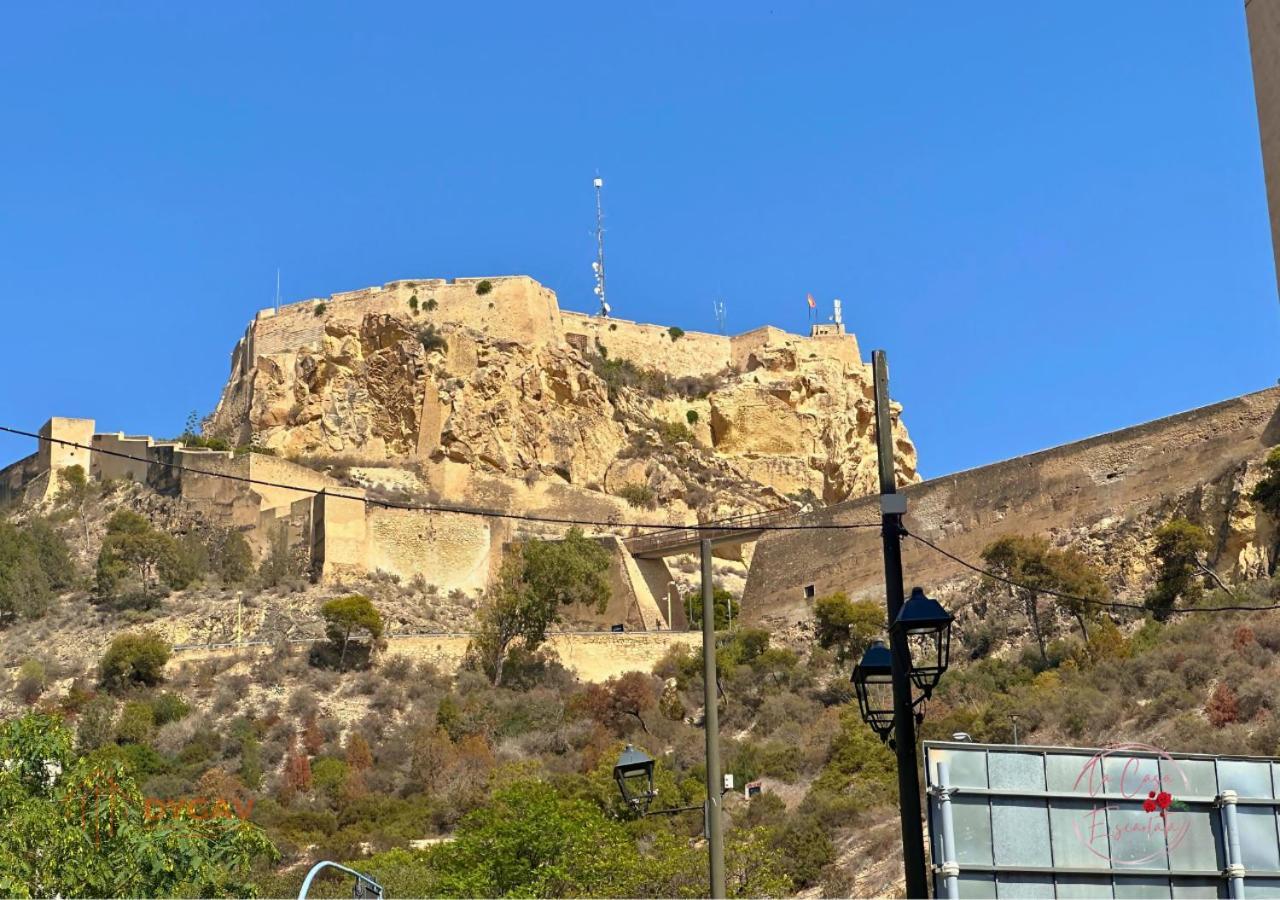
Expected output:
(873, 681)
(927, 627)
(634, 774)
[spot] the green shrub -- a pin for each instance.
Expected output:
(675, 333)
(96, 722)
(31, 681)
(724, 606)
(327, 776)
(807, 849)
(638, 494)
(134, 659)
(166, 708)
(34, 565)
(431, 339)
(320, 309)
(675, 433)
(235, 559)
(849, 626)
(1179, 544)
(691, 417)
(413, 303)
(484, 287)
(137, 723)
(430, 305)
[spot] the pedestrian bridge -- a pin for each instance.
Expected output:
(677, 541)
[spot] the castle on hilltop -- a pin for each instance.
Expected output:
(517, 415)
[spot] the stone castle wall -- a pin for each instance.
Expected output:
(521, 310)
(1095, 483)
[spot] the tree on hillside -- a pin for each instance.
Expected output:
(1179, 544)
(1267, 491)
(135, 659)
(535, 580)
(75, 494)
(848, 625)
(133, 549)
(34, 565)
(726, 608)
(345, 615)
(1031, 562)
(79, 827)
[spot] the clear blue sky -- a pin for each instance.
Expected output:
(1051, 214)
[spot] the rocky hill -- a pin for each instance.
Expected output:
(455, 380)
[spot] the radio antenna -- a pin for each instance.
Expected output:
(598, 265)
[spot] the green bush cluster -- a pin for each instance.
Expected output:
(638, 494)
(35, 565)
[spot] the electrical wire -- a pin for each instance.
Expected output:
(1109, 604)
(656, 528)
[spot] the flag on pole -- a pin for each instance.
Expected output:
(812, 305)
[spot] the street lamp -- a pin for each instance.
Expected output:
(927, 627)
(634, 774)
(873, 681)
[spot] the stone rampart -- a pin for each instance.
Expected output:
(1112, 476)
(517, 308)
(590, 656)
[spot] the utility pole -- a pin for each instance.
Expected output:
(903, 715)
(711, 723)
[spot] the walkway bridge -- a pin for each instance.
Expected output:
(736, 530)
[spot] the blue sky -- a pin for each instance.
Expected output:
(1050, 214)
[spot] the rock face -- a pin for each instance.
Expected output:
(784, 418)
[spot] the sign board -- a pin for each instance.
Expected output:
(1128, 820)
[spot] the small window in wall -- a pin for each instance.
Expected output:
(808, 592)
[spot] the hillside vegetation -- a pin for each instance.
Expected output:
(497, 781)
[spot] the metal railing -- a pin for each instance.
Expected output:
(738, 526)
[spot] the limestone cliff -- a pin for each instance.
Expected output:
(685, 422)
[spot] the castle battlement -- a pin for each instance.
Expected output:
(519, 309)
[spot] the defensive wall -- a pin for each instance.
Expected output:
(591, 656)
(521, 310)
(341, 535)
(1111, 476)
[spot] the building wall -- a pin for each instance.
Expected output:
(1263, 17)
(1120, 474)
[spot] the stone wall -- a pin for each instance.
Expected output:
(591, 657)
(516, 309)
(1095, 483)
(447, 549)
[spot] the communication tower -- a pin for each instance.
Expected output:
(598, 265)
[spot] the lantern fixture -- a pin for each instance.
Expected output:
(927, 627)
(873, 681)
(634, 774)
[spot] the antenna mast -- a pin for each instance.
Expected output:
(718, 306)
(598, 265)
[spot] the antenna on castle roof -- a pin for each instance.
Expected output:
(598, 265)
(837, 317)
(718, 306)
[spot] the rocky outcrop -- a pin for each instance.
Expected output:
(405, 389)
